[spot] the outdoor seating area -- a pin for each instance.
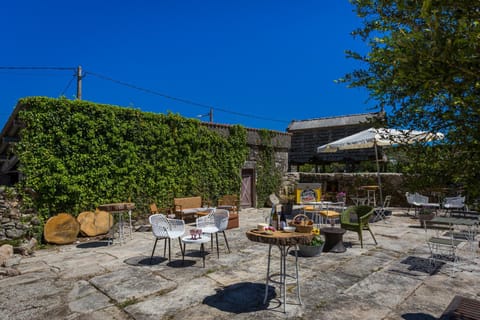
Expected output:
(132, 279)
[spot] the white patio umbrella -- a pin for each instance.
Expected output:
(373, 137)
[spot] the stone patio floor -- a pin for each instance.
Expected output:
(90, 280)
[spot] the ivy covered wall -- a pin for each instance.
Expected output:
(76, 155)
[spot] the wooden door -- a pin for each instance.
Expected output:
(247, 193)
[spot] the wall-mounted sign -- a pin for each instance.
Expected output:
(308, 195)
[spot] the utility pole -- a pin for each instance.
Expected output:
(209, 114)
(79, 83)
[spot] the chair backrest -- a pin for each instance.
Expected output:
(454, 202)
(419, 199)
(336, 206)
(221, 219)
(153, 208)
(410, 197)
(386, 201)
(362, 212)
(206, 221)
(160, 225)
(176, 227)
(229, 199)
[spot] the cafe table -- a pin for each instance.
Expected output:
(119, 208)
(371, 190)
(284, 241)
(452, 223)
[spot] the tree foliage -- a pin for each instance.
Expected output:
(77, 155)
(423, 65)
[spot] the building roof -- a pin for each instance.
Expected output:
(330, 121)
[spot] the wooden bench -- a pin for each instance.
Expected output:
(229, 202)
(461, 308)
(187, 207)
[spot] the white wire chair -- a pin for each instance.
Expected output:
(453, 203)
(380, 211)
(216, 221)
(166, 229)
(442, 249)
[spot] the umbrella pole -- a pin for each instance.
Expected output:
(378, 173)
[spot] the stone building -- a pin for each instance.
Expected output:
(308, 135)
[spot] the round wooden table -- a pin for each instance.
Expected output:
(283, 240)
(119, 208)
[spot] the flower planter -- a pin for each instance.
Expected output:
(310, 251)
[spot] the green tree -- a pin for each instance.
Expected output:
(423, 68)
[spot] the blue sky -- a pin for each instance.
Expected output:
(260, 64)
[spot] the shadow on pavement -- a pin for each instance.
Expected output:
(142, 261)
(93, 244)
(418, 316)
(241, 297)
(419, 264)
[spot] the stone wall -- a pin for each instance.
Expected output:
(349, 183)
(13, 223)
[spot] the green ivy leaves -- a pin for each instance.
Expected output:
(77, 155)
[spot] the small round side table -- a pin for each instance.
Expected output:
(333, 239)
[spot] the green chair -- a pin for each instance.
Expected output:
(363, 214)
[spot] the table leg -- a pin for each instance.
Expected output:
(183, 253)
(202, 252)
(112, 229)
(296, 274)
(268, 274)
(283, 274)
(131, 228)
(120, 228)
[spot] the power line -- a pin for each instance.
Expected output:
(186, 101)
(79, 77)
(36, 68)
(68, 85)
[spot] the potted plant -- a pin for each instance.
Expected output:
(425, 214)
(315, 247)
(341, 196)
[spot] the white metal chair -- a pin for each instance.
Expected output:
(166, 229)
(380, 211)
(442, 248)
(216, 221)
(453, 203)
(419, 201)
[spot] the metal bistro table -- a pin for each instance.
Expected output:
(371, 190)
(201, 240)
(469, 234)
(119, 208)
(284, 241)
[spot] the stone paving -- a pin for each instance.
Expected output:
(90, 280)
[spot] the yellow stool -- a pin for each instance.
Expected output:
(329, 215)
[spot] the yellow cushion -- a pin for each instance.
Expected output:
(309, 208)
(329, 213)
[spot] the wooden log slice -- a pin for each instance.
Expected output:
(61, 229)
(94, 223)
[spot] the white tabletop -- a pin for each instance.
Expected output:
(203, 239)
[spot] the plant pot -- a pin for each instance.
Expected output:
(310, 251)
(425, 217)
